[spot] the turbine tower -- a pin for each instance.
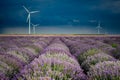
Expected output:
(98, 27)
(34, 26)
(29, 17)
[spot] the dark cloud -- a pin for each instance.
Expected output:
(62, 12)
(109, 5)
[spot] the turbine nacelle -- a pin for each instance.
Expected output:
(28, 18)
(34, 26)
(30, 12)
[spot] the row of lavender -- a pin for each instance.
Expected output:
(114, 42)
(95, 57)
(55, 63)
(16, 52)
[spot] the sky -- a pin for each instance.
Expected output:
(60, 16)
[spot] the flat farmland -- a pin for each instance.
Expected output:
(59, 57)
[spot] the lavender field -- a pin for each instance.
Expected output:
(59, 58)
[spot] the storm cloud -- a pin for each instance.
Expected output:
(59, 13)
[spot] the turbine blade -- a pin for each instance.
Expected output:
(26, 9)
(34, 11)
(28, 17)
(32, 24)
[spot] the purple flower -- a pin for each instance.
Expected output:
(92, 60)
(105, 70)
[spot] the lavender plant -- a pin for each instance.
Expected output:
(55, 63)
(15, 56)
(86, 54)
(93, 60)
(54, 66)
(107, 70)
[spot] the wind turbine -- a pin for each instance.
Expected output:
(29, 18)
(34, 26)
(98, 27)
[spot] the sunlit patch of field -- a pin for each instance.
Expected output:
(62, 35)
